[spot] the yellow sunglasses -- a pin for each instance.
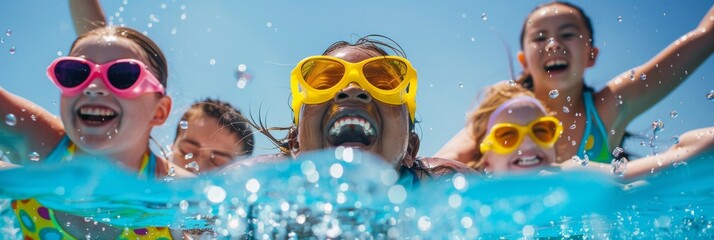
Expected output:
(504, 138)
(389, 79)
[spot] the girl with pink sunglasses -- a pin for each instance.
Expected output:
(112, 88)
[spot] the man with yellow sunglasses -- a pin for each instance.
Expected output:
(355, 95)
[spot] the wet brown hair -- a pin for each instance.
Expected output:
(157, 61)
(228, 117)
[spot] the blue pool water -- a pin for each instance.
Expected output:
(344, 193)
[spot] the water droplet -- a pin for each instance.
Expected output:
(34, 156)
(551, 41)
(59, 53)
(520, 152)
(617, 151)
(573, 126)
(241, 83)
(619, 166)
(173, 31)
(642, 144)
(183, 7)
(2, 40)
(183, 204)
(573, 143)
(566, 109)
(183, 16)
(8, 33)
(657, 126)
(163, 6)
(188, 156)
(10, 119)
(710, 95)
(612, 132)
(33, 117)
(484, 17)
(212, 61)
(512, 83)
(170, 175)
(675, 139)
(269, 24)
(87, 219)
(567, 98)
(673, 114)
(632, 75)
(183, 124)
(424, 223)
(12, 50)
(192, 166)
(619, 18)
(643, 77)
(461, 85)
(252, 185)
(242, 67)
(553, 93)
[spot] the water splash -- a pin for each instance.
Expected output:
(34, 156)
(192, 165)
(619, 166)
(673, 114)
(10, 119)
(553, 93)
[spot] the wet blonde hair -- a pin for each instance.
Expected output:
(477, 123)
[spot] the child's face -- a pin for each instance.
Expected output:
(210, 145)
(351, 106)
(527, 156)
(98, 121)
(556, 47)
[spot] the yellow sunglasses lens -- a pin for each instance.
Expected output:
(322, 73)
(385, 74)
(544, 131)
(506, 136)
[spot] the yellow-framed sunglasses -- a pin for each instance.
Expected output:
(504, 138)
(389, 79)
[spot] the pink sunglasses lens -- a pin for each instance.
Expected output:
(124, 74)
(71, 73)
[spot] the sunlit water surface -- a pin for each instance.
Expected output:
(346, 193)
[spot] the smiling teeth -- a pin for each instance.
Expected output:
(556, 62)
(97, 111)
(528, 161)
(366, 126)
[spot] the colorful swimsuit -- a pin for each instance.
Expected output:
(39, 222)
(595, 143)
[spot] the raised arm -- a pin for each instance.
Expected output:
(86, 15)
(664, 72)
(692, 145)
(33, 130)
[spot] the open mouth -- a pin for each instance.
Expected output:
(556, 65)
(528, 161)
(351, 131)
(96, 115)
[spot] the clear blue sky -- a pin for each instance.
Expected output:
(448, 42)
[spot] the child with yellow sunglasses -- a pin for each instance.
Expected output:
(514, 132)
